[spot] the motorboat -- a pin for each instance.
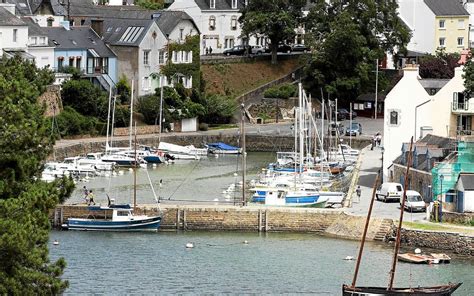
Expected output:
(296, 198)
(95, 160)
(178, 152)
(222, 148)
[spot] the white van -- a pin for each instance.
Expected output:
(388, 191)
(414, 202)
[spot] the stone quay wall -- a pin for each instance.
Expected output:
(454, 242)
(253, 218)
(254, 143)
(458, 218)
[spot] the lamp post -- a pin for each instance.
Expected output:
(428, 200)
(441, 178)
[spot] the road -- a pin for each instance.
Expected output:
(370, 164)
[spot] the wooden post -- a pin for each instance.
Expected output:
(178, 218)
(184, 219)
(367, 220)
(259, 220)
(266, 220)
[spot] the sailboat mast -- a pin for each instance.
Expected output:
(161, 108)
(108, 120)
(112, 123)
(364, 235)
(402, 207)
(301, 123)
(244, 156)
(131, 116)
(135, 173)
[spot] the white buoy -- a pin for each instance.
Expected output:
(130, 169)
(417, 251)
(215, 199)
(245, 242)
(121, 172)
(216, 155)
(235, 174)
(189, 245)
(56, 243)
(154, 165)
(349, 258)
(224, 192)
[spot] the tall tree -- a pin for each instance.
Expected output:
(349, 35)
(441, 65)
(276, 19)
(25, 142)
(468, 76)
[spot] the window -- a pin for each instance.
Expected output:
(105, 65)
(146, 83)
(161, 57)
(78, 62)
(60, 63)
(442, 24)
(146, 57)
(442, 42)
(181, 34)
(234, 4)
(71, 61)
(174, 57)
(15, 34)
(212, 3)
(42, 40)
(460, 41)
(460, 24)
(212, 23)
(186, 56)
(50, 21)
(233, 23)
(393, 117)
(33, 40)
(229, 43)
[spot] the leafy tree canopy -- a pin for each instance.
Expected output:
(85, 98)
(468, 76)
(283, 91)
(441, 65)
(276, 19)
(150, 4)
(25, 142)
(349, 35)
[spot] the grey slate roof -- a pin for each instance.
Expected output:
(220, 5)
(467, 181)
(446, 7)
(115, 29)
(433, 83)
(78, 38)
(9, 19)
(169, 19)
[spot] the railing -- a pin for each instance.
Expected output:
(462, 107)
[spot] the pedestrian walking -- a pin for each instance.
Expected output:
(207, 51)
(210, 49)
(378, 139)
(373, 143)
(86, 193)
(91, 198)
(358, 192)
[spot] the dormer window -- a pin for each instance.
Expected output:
(212, 4)
(233, 23)
(212, 23)
(234, 4)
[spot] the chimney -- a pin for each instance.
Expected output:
(8, 6)
(98, 27)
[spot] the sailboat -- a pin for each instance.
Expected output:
(117, 217)
(441, 290)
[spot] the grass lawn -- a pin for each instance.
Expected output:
(439, 227)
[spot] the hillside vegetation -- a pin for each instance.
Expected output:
(239, 78)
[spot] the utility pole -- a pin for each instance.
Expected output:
(376, 85)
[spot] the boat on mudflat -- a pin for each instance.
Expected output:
(222, 148)
(114, 218)
(297, 198)
(424, 258)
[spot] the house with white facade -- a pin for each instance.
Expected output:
(435, 24)
(13, 33)
(217, 21)
(417, 107)
(140, 39)
(39, 45)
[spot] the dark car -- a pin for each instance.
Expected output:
(300, 48)
(354, 130)
(236, 50)
(281, 48)
(344, 114)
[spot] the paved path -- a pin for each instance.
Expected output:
(370, 164)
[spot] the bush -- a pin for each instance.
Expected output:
(218, 109)
(203, 126)
(85, 98)
(283, 91)
(122, 116)
(71, 123)
(149, 107)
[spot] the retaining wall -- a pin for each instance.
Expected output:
(254, 143)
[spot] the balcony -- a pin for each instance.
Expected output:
(462, 108)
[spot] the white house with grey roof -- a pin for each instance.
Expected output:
(39, 44)
(13, 31)
(140, 38)
(217, 21)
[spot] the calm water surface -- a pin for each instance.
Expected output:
(159, 263)
(202, 180)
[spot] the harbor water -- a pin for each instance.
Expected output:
(186, 181)
(273, 263)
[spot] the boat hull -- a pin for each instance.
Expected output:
(148, 224)
(444, 290)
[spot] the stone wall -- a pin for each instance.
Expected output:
(458, 218)
(454, 242)
(254, 143)
(418, 181)
(51, 98)
(233, 218)
(141, 130)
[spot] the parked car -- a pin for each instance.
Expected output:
(354, 130)
(345, 114)
(336, 128)
(281, 48)
(300, 48)
(257, 49)
(236, 50)
(388, 191)
(414, 202)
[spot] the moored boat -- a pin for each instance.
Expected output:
(424, 258)
(222, 148)
(121, 219)
(443, 290)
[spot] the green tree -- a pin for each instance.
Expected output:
(349, 35)
(283, 91)
(218, 109)
(25, 201)
(85, 97)
(276, 19)
(123, 91)
(468, 76)
(441, 65)
(150, 4)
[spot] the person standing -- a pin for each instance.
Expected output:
(86, 194)
(358, 192)
(210, 50)
(91, 198)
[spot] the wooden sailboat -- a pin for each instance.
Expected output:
(442, 290)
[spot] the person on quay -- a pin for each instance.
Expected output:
(91, 198)
(86, 194)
